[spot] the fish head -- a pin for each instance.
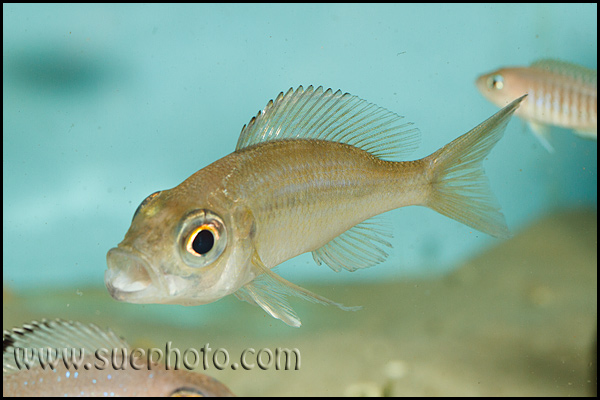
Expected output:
(181, 250)
(502, 86)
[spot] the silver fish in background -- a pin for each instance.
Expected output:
(62, 381)
(307, 175)
(560, 94)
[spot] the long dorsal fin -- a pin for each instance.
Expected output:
(332, 116)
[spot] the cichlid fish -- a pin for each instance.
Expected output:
(98, 380)
(307, 175)
(560, 94)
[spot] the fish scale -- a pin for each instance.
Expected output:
(313, 191)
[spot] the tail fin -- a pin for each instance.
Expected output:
(460, 189)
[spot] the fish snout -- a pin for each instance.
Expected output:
(481, 84)
(128, 276)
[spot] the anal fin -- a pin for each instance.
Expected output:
(358, 247)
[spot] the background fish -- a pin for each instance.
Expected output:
(92, 382)
(308, 174)
(560, 93)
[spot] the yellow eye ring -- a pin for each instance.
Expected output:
(202, 240)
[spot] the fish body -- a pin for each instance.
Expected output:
(292, 180)
(559, 94)
(95, 381)
(309, 174)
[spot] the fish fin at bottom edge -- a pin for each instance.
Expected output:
(270, 291)
(542, 133)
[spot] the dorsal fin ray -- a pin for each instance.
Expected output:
(56, 334)
(332, 116)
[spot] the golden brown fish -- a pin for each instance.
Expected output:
(560, 94)
(99, 379)
(308, 174)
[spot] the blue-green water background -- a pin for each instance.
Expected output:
(105, 104)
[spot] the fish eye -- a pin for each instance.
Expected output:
(144, 203)
(203, 238)
(496, 82)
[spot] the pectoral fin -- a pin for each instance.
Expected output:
(270, 291)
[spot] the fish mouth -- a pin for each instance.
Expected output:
(129, 277)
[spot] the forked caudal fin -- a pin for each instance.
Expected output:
(460, 189)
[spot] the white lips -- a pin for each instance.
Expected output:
(123, 282)
(127, 275)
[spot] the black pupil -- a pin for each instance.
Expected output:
(203, 242)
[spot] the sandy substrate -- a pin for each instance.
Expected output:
(519, 320)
